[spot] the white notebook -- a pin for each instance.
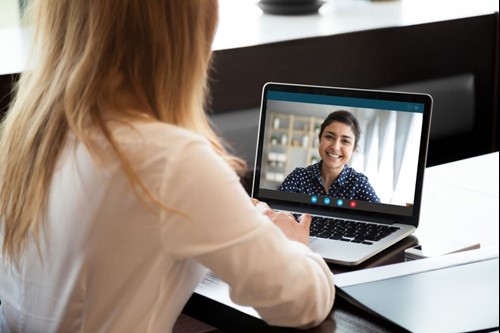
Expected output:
(453, 293)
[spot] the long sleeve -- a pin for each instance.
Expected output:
(283, 280)
(109, 262)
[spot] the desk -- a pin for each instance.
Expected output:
(461, 197)
(242, 23)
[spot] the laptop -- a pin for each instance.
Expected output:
(349, 226)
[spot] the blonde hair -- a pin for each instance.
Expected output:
(85, 53)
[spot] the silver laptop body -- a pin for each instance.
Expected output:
(392, 155)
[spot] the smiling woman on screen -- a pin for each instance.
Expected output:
(332, 176)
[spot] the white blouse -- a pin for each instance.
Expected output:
(110, 263)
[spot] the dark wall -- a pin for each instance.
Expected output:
(6, 83)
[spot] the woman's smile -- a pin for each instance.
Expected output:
(333, 155)
(336, 144)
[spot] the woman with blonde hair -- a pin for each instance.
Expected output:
(115, 193)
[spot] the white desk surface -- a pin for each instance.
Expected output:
(242, 23)
(460, 200)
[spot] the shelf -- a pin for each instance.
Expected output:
(291, 141)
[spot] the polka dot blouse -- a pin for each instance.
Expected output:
(349, 185)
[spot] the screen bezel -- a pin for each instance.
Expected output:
(411, 218)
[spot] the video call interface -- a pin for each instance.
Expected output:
(387, 153)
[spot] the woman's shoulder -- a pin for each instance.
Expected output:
(300, 173)
(155, 134)
(147, 141)
(351, 173)
(155, 131)
(301, 170)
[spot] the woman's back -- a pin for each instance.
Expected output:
(113, 264)
(106, 254)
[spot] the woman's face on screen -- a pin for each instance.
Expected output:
(336, 145)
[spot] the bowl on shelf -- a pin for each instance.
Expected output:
(290, 7)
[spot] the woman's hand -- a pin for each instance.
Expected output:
(287, 223)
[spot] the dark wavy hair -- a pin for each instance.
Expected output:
(344, 117)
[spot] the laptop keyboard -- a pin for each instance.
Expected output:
(349, 231)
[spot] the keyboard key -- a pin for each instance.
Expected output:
(349, 231)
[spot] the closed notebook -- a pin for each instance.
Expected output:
(453, 293)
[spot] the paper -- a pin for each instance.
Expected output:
(438, 245)
(214, 288)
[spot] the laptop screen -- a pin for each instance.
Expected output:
(373, 142)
